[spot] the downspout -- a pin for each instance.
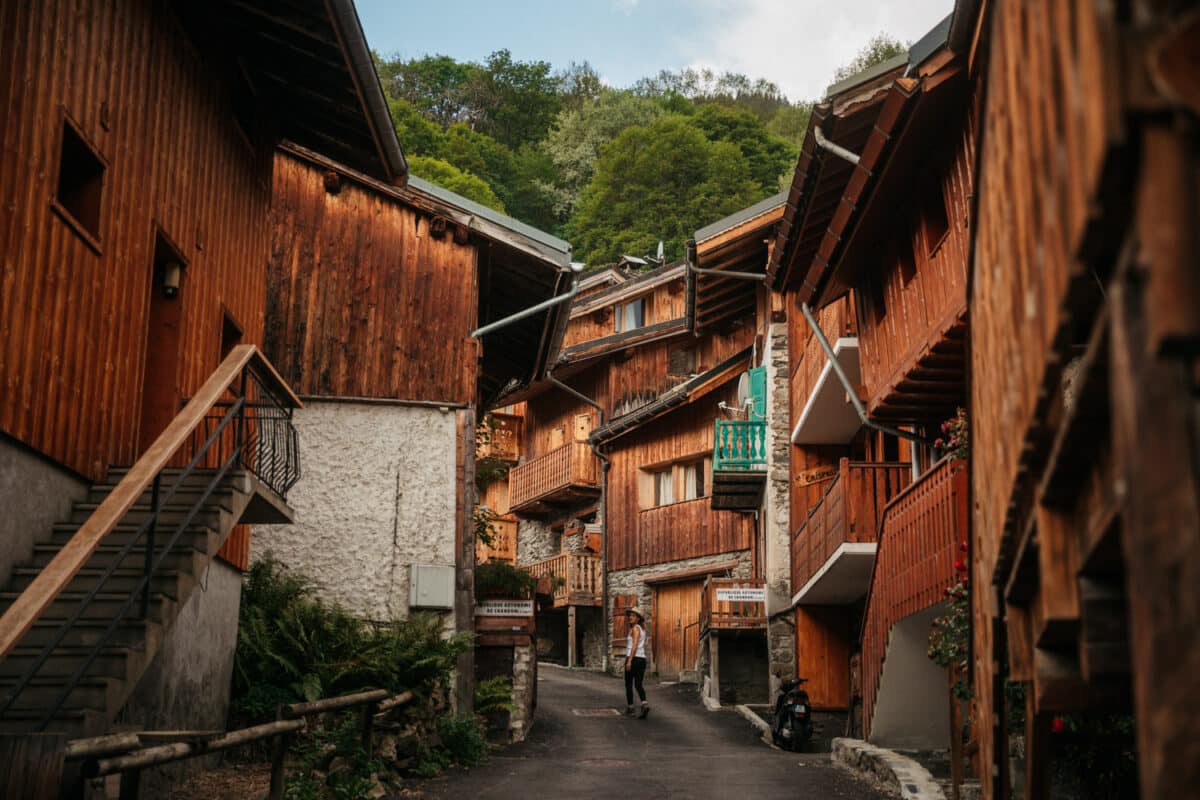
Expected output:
(851, 391)
(576, 268)
(605, 465)
(836, 149)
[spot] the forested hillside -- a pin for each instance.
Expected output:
(614, 171)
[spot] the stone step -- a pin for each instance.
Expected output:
(89, 632)
(104, 605)
(172, 583)
(111, 662)
(212, 513)
(40, 694)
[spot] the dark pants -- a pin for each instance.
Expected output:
(633, 678)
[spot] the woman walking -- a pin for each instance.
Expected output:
(635, 661)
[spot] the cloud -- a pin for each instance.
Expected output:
(625, 6)
(799, 43)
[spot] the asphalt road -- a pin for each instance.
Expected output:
(681, 751)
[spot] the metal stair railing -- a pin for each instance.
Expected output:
(253, 432)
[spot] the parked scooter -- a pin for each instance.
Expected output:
(793, 716)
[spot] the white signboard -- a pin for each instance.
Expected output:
(504, 608)
(742, 595)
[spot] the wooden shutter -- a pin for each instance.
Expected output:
(645, 489)
(758, 391)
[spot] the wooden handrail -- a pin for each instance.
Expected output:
(40, 593)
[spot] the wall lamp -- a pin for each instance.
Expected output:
(172, 273)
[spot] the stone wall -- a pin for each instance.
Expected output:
(378, 494)
(536, 541)
(186, 687)
(524, 692)
(35, 493)
(781, 637)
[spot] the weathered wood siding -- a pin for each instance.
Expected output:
(922, 298)
(555, 409)
(681, 530)
(365, 301)
(663, 302)
(72, 318)
(823, 636)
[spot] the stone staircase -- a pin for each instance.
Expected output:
(110, 679)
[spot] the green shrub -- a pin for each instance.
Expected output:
(497, 579)
(293, 647)
(463, 740)
(493, 694)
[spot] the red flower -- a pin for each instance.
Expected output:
(962, 546)
(960, 566)
(1058, 725)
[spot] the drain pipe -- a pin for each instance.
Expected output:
(836, 149)
(605, 465)
(721, 273)
(851, 391)
(576, 268)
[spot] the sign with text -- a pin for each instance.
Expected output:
(742, 595)
(504, 608)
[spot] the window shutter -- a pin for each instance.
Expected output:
(758, 391)
(645, 489)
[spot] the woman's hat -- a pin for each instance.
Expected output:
(636, 610)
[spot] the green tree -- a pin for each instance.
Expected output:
(418, 136)
(578, 85)
(514, 102)
(448, 176)
(436, 85)
(880, 48)
(658, 182)
(767, 156)
(574, 144)
(790, 123)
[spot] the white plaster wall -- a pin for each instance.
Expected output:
(377, 494)
(912, 706)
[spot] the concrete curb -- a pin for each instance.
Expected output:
(757, 722)
(902, 776)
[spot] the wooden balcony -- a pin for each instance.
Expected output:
(575, 578)
(565, 476)
(833, 549)
(739, 464)
(733, 604)
(919, 537)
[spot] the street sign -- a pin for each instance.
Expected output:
(742, 595)
(504, 608)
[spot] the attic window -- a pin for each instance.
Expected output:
(80, 188)
(631, 316)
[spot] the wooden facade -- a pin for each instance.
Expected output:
(365, 296)
(1084, 342)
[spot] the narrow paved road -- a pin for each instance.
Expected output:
(680, 751)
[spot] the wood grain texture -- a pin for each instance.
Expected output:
(73, 320)
(366, 301)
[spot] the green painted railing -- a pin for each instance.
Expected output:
(740, 446)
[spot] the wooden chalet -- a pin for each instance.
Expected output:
(139, 420)
(877, 513)
(1084, 340)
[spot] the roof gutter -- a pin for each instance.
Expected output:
(366, 80)
(851, 391)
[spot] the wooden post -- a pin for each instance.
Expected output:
(956, 748)
(278, 761)
(714, 666)
(32, 765)
(131, 783)
(571, 655)
(368, 726)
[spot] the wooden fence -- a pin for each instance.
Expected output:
(572, 464)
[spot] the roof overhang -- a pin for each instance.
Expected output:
(828, 416)
(843, 579)
(305, 66)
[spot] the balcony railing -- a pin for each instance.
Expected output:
(848, 512)
(575, 578)
(733, 603)
(919, 540)
(740, 446)
(567, 474)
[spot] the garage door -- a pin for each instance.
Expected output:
(676, 634)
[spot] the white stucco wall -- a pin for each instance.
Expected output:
(377, 494)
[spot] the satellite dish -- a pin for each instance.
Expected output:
(660, 251)
(743, 395)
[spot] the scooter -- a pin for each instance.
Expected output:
(793, 716)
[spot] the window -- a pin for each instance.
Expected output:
(908, 264)
(664, 487)
(631, 316)
(878, 285)
(80, 186)
(934, 219)
(693, 480)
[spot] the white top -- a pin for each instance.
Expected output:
(641, 647)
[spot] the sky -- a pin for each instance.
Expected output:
(797, 44)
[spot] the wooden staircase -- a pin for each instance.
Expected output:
(84, 618)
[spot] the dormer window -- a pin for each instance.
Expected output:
(631, 316)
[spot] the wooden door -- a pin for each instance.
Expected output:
(583, 427)
(676, 630)
(160, 378)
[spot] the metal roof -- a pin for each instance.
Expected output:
(556, 249)
(738, 217)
